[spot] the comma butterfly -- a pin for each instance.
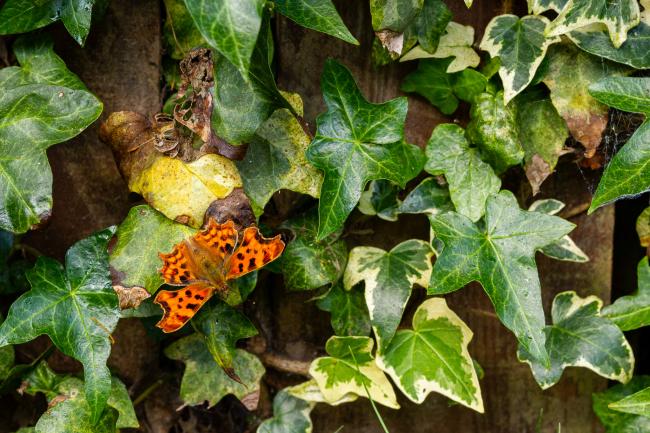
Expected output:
(204, 263)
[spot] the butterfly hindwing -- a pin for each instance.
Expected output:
(253, 252)
(218, 239)
(177, 266)
(181, 305)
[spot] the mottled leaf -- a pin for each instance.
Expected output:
(580, 337)
(76, 307)
(499, 254)
(433, 357)
(388, 277)
(471, 181)
(537, 7)
(349, 314)
(180, 34)
(357, 141)
(619, 422)
(290, 415)
(319, 15)
(633, 311)
(627, 174)
(521, 45)
(643, 227)
(394, 15)
(203, 380)
(351, 369)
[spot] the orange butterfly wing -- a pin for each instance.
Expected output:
(218, 239)
(181, 305)
(177, 266)
(253, 252)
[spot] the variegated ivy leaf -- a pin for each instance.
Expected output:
(433, 357)
(500, 254)
(290, 415)
(627, 174)
(309, 391)
(633, 311)
(356, 142)
(349, 314)
(76, 307)
(580, 337)
(457, 42)
(380, 199)
(276, 160)
(618, 16)
(493, 129)
(388, 277)
(537, 7)
(564, 249)
(637, 403)
(521, 45)
(203, 380)
(471, 181)
(620, 422)
(643, 227)
(350, 369)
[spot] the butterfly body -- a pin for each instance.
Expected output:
(204, 263)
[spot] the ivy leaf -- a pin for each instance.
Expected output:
(569, 74)
(349, 314)
(230, 26)
(643, 227)
(441, 89)
(180, 34)
(357, 141)
(388, 277)
(619, 17)
(635, 51)
(457, 42)
(290, 415)
(222, 326)
(542, 134)
(380, 199)
(276, 160)
(309, 391)
(619, 422)
(351, 369)
(8, 357)
(538, 7)
(120, 400)
(319, 15)
(521, 45)
(76, 307)
(37, 110)
(394, 15)
(493, 129)
(580, 337)
(140, 237)
(471, 181)
(633, 311)
(499, 254)
(21, 16)
(564, 249)
(626, 175)
(308, 263)
(433, 357)
(637, 403)
(203, 382)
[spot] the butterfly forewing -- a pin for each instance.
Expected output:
(218, 239)
(178, 267)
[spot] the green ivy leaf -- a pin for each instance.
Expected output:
(8, 357)
(395, 15)
(619, 422)
(222, 326)
(580, 337)
(493, 129)
(140, 237)
(500, 254)
(441, 89)
(357, 141)
(308, 263)
(542, 134)
(230, 26)
(633, 311)
(42, 379)
(380, 199)
(521, 45)
(119, 400)
(457, 42)
(388, 277)
(433, 357)
(21, 16)
(351, 369)
(202, 381)
(618, 16)
(276, 160)
(349, 314)
(564, 249)
(637, 403)
(569, 74)
(643, 227)
(76, 307)
(179, 32)
(627, 174)
(471, 181)
(319, 15)
(41, 104)
(290, 415)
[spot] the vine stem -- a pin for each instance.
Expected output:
(276, 361)
(139, 399)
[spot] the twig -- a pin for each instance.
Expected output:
(257, 346)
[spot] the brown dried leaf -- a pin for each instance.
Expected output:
(130, 297)
(392, 41)
(195, 109)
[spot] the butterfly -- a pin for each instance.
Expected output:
(204, 263)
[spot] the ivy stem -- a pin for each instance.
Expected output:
(139, 399)
(24, 248)
(372, 402)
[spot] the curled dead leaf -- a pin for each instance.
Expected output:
(587, 128)
(537, 170)
(56, 400)
(392, 41)
(194, 109)
(236, 207)
(130, 297)
(250, 401)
